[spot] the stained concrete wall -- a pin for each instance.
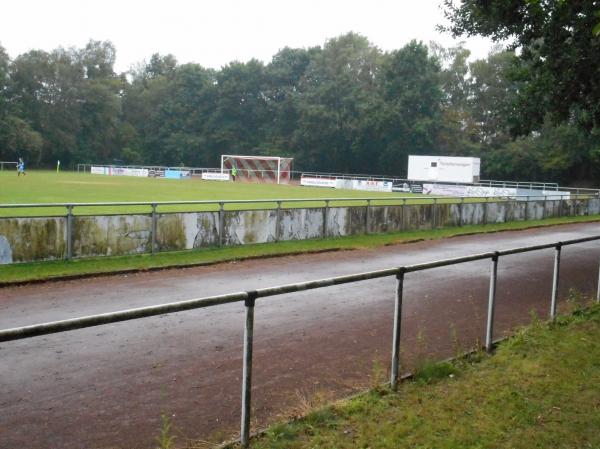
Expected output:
(32, 238)
(343, 221)
(300, 224)
(249, 226)
(385, 219)
(188, 230)
(35, 238)
(110, 235)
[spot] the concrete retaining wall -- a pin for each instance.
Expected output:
(45, 238)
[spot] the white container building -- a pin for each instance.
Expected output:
(463, 170)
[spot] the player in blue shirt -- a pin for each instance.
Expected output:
(21, 167)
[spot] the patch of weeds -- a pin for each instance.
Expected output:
(421, 347)
(279, 435)
(576, 300)
(457, 345)
(378, 376)
(166, 439)
(516, 342)
(307, 401)
(324, 417)
(471, 358)
(358, 405)
(429, 372)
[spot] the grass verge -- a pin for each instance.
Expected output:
(540, 390)
(40, 271)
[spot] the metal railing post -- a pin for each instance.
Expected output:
(433, 214)
(544, 207)
(368, 218)
(325, 218)
(247, 369)
(153, 230)
(560, 203)
(278, 222)
(403, 214)
(69, 232)
(460, 211)
(485, 211)
(555, 280)
(221, 223)
(397, 328)
(489, 334)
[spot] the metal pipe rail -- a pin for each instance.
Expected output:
(198, 303)
(249, 298)
(285, 200)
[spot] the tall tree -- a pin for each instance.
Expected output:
(17, 138)
(560, 51)
(413, 99)
(238, 123)
(336, 93)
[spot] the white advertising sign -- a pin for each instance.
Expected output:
(120, 171)
(139, 172)
(372, 186)
(473, 191)
(123, 171)
(343, 184)
(443, 169)
(213, 176)
(98, 170)
(317, 182)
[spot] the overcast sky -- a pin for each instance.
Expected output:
(213, 33)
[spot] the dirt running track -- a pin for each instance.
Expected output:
(106, 387)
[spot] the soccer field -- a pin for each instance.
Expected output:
(70, 187)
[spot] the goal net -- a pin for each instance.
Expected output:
(259, 168)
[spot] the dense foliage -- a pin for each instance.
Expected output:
(558, 46)
(345, 107)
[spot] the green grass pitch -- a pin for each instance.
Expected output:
(71, 187)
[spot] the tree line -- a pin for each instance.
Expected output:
(345, 106)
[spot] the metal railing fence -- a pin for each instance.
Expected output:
(367, 201)
(249, 297)
(280, 203)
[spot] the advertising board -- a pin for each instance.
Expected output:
(158, 173)
(468, 191)
(124, 171)
(213, 176)
(317, 182)
(444, 169)
(98, 170)
(372, 186)
(176, 174)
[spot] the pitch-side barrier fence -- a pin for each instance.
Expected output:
(277, 204)
(249, 298)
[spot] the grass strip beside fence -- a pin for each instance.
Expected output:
(540, 390)
(40, 271)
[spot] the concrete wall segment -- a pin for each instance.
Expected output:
(28, 239)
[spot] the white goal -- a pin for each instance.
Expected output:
(269, 169)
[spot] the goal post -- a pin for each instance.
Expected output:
(271, 169)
